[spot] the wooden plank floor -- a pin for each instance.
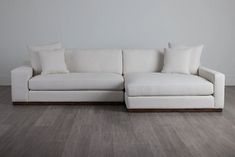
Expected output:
(108, 130)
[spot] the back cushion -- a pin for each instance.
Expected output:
(34, 56)
(142, 60)
(94, 60)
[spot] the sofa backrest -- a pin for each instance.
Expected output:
(142, 60)
(94, 60)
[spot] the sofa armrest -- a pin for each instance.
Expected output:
(218, 79)
(19, 83)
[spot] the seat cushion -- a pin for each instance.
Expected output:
(77, 81)
(164, 84)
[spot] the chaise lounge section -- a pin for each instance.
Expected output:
(147, 88)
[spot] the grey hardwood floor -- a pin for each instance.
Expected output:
(109, 130)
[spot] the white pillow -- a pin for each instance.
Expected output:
(195, 56)
(177, 61)
(34, 56)
(53, 62)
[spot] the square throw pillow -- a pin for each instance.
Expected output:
(34, 56)
(53, 62)
(177, 61)
(195, 55)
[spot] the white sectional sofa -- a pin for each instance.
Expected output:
(114, 75)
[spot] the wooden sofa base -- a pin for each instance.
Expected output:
(177, 110)
(68, 103)
(121, 103)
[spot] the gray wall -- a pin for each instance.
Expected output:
(118, 24)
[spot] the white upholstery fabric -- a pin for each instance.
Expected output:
(76, 96)
(169, 102)
(218, 80)
(177, 61)
(142, 60)
(195, 56)
(77, 81)
(34, 56)
(19, 83)
(164, 84)
(143, 90)
(94, 60)
(53, 62)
